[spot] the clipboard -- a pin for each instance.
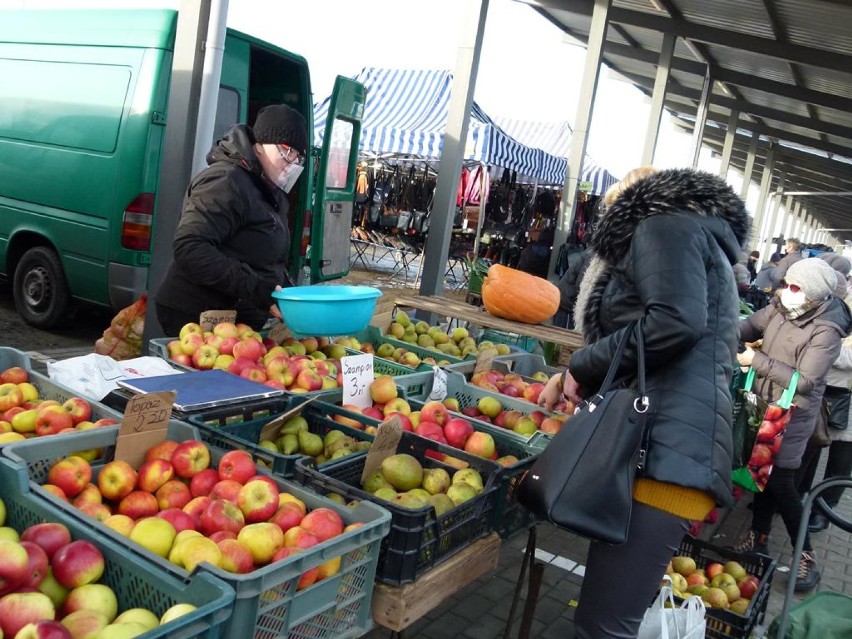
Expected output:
(200, 390)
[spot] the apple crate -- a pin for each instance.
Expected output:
(418, 539)
(524, 364)
(267, 604)
(509, 516)
(136, 583)
(724, 624)
(220, 427)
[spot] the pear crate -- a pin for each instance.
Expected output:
(419, 537)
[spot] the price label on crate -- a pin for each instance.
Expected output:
(484, 360)
(145, 423)
(209, 319)
(358, 376)
(439, 385)
(384, 445)
(278, 332)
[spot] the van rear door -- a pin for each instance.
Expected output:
(334, 192)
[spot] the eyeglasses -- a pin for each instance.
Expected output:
(290, 154)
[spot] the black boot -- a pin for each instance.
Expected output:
(817, 522)
(752, 542)
(807, 577)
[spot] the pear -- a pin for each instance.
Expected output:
(332, 436)
(375, 481)
(309, 443)
(469, 476)
(288, 444)
(436, 480)
(294, 425)
(441, 503)
(402, 318)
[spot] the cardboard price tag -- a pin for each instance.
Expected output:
(279, 332)
(484, 360)
(209, 319)
(439, 385)
(145, 423)
(270, 429)
(384, 445)
(357, 378)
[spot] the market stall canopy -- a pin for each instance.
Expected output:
(406, 115)
(555, 138)
(782, 66)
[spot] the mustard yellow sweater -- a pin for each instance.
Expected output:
(689, 503)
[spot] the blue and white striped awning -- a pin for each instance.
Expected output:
(406, 114)
(554, 138)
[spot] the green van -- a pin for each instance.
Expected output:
(83, 98)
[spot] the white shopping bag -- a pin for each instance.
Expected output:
(94, 376)
(686, 622)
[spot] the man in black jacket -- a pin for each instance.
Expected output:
(232, 244)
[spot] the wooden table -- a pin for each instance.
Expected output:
(568, 340)
(397, 607)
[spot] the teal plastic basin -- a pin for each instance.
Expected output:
(327, 310)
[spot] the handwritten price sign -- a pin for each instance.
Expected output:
(357, 378)
(145, 423)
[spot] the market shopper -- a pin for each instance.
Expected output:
(663, 252)
(793, 254)
(232, 244)
(801, 329)
(753, 258)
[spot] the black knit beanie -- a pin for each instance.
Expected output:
(280, 124)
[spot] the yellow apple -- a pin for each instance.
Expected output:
(178, 610)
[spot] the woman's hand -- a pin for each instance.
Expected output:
(746, 357)
(556, 388)
(274, 310)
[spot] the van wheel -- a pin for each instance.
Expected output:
(40, 289)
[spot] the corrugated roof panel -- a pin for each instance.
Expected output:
(818, 24)
(744, 16)
(832, 82)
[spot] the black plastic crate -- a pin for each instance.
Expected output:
(418, 540)
(724, 624)
(224, 426)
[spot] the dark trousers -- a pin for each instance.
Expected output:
(838, 464)
(781, 495)
(608, 611)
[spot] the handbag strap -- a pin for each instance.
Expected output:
(616, 360)
(786, 399)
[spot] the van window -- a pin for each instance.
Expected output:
(337, 169)
(39, 96)
(227, 112)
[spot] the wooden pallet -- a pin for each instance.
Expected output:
(397, 607)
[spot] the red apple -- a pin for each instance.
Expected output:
(300, 538)
(383, 389)
(71, 475)
(309, 380)
(404, 421)
(226, 489)
(52, 419)
(77, 564)
(195, 507)
(56, 491)
(44, 629)
(323, 523)
(37, 564)
(116, 479)
(10, 395)
(85, 623)
(91, 494)
(19, 609)
(748, 586)
(138, 504)
(221, 515)
(457, 431)
(14, 375)
(204, 358)
(153, 474)
(250, 349)
(434, 411)
(309, 577)
(237, 465)
(179, 519)
(78, 408)
(240, 364)
(173, 494)
(258, 499)
(203, 482)
(14, 563)
(219, 535)
(164, 450)
(480, 444)
(101, 512)
(761, 455)
(236, 557)
(288, 516)
(190, 458)
(51, 536)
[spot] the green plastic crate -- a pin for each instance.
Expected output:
(418, 540)
(523, 364)
(219, 428)
(136, 583)
(523, 342)
(267, 604)
(374, 336)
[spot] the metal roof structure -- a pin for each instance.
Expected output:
(780, 74)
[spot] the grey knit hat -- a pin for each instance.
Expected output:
(837, 262)
(280, 124)
(814, 276)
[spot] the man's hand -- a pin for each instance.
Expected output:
(274, 310)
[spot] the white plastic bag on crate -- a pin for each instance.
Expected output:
(686, 622)
(94, 376)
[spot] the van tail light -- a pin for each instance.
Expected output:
(138, 222)
(306, 233)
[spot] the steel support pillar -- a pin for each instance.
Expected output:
(701, 117)
(658, 99)
(464, 82)
(749, 165)
(765, 184)
(772, 221)
(178, 146)
(582, 122)
(727, 149)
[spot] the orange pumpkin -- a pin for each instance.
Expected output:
(518, 296)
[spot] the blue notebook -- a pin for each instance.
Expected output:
(199, 390)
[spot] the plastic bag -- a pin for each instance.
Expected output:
(123, 338)
(758, 433)
(686, 622)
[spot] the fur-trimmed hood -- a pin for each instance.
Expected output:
(673, 191)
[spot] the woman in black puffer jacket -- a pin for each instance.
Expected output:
(663, 255)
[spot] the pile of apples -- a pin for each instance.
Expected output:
(458, 343)
(727, 586)
(489, 409)
(295, 438)
(769, 437)
(49, 589)
(299, 366)
(24, 415)
(433, 421)
(179, 507)
(404, 482)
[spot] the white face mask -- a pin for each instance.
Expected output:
(792, 301)
(286, 178)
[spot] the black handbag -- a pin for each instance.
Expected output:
(583, 480)
(837, 399)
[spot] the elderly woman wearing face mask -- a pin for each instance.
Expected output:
(802, 330)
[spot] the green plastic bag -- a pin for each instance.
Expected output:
(825, 615)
